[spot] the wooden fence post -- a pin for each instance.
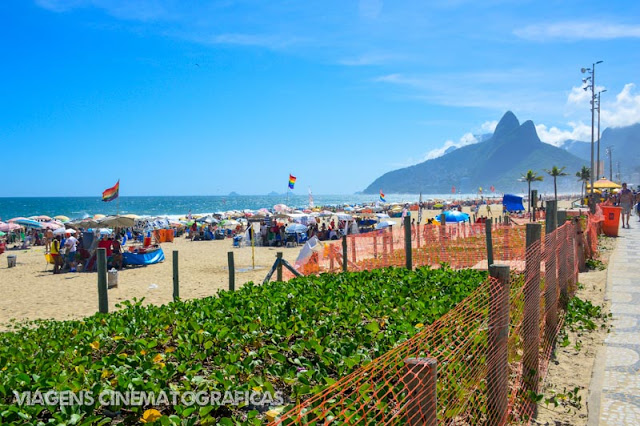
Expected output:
(279, 267)
(344, 254)
(353, 249)
(497, 359)
(103, 301)
(375, 246)
(176, 278)
(384, 249)
(533, 203)
(232, 272)
(420, 382)
(487, 226)
(582, 261)
(531, 315)
(407, 242)
(550, 272)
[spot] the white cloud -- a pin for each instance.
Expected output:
(623, 111)
(489, 126)
(466, 139)
(577, 30)
(555, 136)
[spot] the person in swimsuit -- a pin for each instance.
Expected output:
(625, 199)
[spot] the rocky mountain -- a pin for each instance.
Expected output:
(498, 161)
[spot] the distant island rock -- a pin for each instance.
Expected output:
(233, 194)
(273, 194)
(498, 161)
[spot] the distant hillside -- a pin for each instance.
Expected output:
(625, 143)
(498, 161)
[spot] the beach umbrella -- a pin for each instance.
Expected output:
(2, 234)
(382, 216)
(29, 223)
(17, 218)
(264, 212)
(455, 216)
(102, 231)
(116, 222)
(281, 208)
(62, 231)
(41, 218)
(604, 183)
(385, 224)
(98, 216)
(229, 223)
(325, 213)
(51, 225)
(296, 227)
(8, 227)
(62, 218)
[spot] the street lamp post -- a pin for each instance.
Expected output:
(598, 156)
(591, 86)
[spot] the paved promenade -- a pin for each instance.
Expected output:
(615, 388)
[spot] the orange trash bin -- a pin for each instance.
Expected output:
(611, 220)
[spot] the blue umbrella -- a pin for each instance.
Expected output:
(296, 227)
(455, 216)
(29, 223)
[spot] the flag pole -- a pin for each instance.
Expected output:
(118, 202)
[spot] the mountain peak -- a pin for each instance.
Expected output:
(508, 123)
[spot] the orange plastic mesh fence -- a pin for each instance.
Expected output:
(482, 361)
(461, 245)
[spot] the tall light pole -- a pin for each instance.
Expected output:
(610, 153)
(591, 80)
(598, 156)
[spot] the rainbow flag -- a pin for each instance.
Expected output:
(292, 181)
(382, 197)
(112, 193)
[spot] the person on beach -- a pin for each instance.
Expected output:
(625, 198)
(488, 209)
(48, 238)
(55, 254)
(72, 247)
(117, 253)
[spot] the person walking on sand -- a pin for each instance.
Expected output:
(625, 198)
(488, 209)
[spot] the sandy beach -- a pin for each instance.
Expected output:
(29, 292)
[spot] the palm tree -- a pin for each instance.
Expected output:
(584, 176)
(555, 172)
(529, 177)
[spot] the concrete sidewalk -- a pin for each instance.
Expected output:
(615, 388)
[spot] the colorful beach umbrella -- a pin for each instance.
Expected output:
(51, 225)
(62, 218)
(117, 222)
(8, 227)
(62, 231)
(17, 218)
(41, 218)
(29, 223)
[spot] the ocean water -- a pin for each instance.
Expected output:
(80, 207)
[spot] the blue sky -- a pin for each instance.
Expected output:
(196, 98)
